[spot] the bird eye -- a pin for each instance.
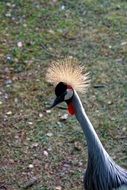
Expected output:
(69, 94)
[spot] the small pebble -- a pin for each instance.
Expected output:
(109, 102)
(9, 59)
(80, 164)
(31, 166)
(25, 25)
(9, 81)
(64, 117)
(13, 5)
(58, 188)
(8, 4)
(45, 153)
(8, 15)
(62, 7)
(77, 146)
(19, 44)
(30, 123)
(11, 161)
(48, 111)
(34, 145)
(49, 134)
(6, 96)
(16, 100)
(124, 129)
(9, 113)
(49, 149)
(16, 137)
(51, 31)
(40, 115)
(123, 43)
(6, 70)
(54, 1)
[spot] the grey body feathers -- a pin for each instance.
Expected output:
(102, 172)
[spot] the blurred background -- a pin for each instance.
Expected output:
(44, 149)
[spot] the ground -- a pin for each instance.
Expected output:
(40, 150)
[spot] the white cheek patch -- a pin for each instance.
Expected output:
(69, 94)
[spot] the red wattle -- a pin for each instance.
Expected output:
(71, 109)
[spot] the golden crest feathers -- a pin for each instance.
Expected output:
(69, 71)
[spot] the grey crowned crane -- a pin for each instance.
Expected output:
(102, 172)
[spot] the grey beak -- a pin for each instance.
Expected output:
(58, 100)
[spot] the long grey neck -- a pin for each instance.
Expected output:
(93, 142)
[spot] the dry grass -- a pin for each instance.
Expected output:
(36, 143)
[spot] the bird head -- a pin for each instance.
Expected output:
(67, 75)
(63, 93)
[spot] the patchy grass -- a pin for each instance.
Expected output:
(38, 144)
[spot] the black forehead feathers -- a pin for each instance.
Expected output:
(60, 88)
